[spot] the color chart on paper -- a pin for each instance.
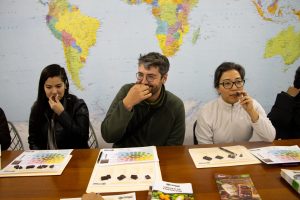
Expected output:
(128, 155)
(277, 154)
(43, 157)
(46, 158)
(286, 155)
(38, 161)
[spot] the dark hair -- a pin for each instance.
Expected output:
(297, 78)
(154, 59)
(48, 72)
(227, 66)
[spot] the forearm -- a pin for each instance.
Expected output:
(264, 129)
(32, 139)
(77, 127)
(34, 129)
(178, 131)
(115, 123)
(281, 112)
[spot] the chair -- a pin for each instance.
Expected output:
(16, 142)
(194, 133)
(92, 142)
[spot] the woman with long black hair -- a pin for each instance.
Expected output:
(58, 120)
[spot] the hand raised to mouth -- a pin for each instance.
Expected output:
(136, 94)
(55, 104)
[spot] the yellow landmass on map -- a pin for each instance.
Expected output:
(81, 31)
(286, 44)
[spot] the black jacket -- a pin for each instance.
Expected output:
(71, 126)
(285, 116)
(4, 132)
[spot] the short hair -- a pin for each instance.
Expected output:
(154, 59)
(224, 67)
(49, 72)
(297, 78)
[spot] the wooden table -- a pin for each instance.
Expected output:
(176, 166)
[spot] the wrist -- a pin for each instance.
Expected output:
(254, 116)
(127, 105)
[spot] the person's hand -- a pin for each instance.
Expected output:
(92, 196)
(292, 91)
(135, 95)
(247, 103)
(55, 105)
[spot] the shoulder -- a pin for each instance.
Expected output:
(2, 115)
(1, 111)
(75, 101)
(34, 107)
(173, 99)
(210, 105)
(208, 110)
(126, 87)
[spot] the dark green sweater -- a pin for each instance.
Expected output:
(166, 126)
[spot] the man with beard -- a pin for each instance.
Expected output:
(285, 113)
(144, 113)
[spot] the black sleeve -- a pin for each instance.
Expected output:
(5, 138)
(281, 114)
(34, 130)
(76, 122)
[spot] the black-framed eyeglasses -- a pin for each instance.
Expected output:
(149, 77)
(229, 84)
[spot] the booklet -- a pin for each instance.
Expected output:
(125, 169)
(277, 154)
(172, 191)
(38, 163)
(222, 156)
(129, 196)
(236, 187)
(292, 177)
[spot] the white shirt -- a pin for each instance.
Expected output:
(220, 122)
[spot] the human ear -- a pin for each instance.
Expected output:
(164, 78)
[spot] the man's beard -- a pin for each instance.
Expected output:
(153, 89)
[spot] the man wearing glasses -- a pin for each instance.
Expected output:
(144, 113)
(234, 116)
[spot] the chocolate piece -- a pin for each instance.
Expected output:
(207, 158)
(134, 177)
(104, 178)
(231, 156)
(148, 177)
(121, 177)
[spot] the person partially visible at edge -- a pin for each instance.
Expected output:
(234, 116)
(285, 113)
(58, 120)
(5, 138)
(145, 113)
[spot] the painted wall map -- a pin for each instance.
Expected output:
(99, 42)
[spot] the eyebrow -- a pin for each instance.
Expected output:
(59, 84)
(240, 78)
(147, 74)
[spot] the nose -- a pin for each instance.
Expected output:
(53, 91)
